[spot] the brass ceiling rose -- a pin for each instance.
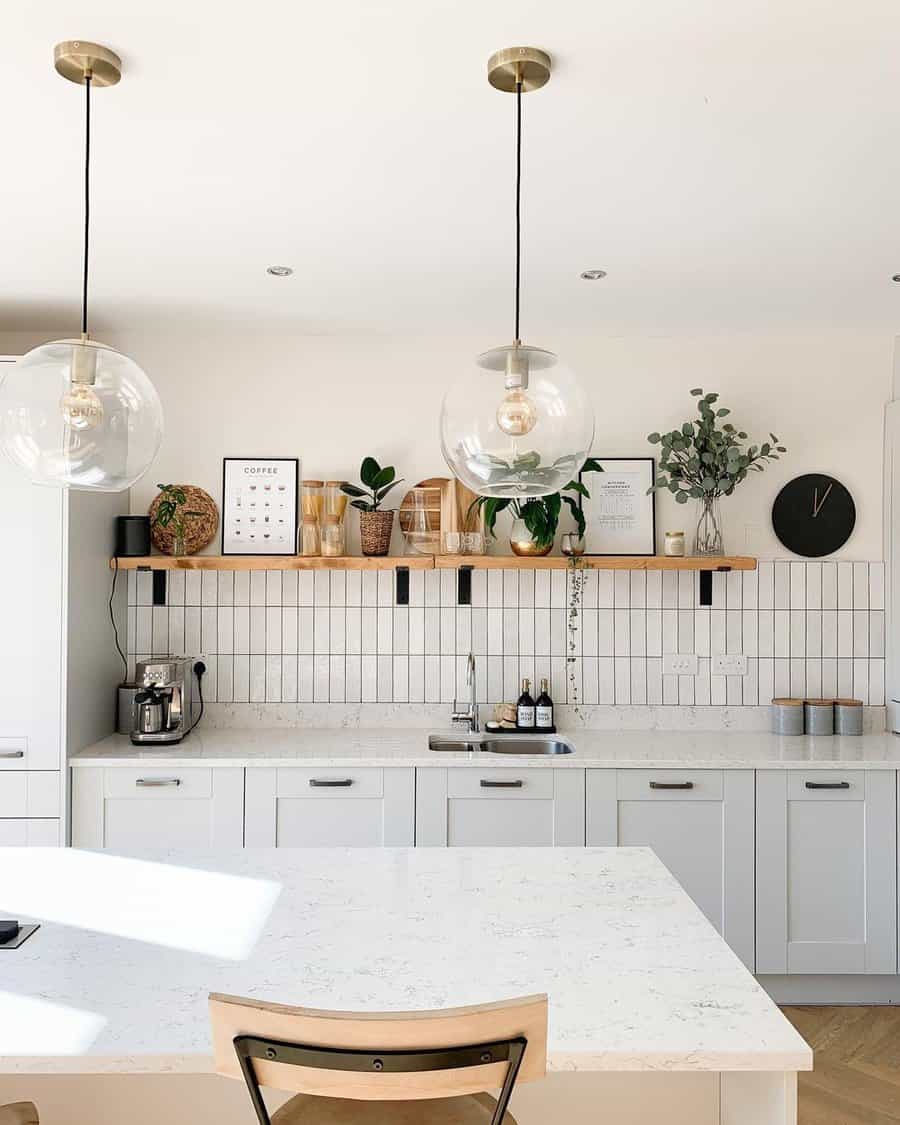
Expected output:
(528, 65)
(76, 58)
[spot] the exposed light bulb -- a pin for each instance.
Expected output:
(81, 409)
(516, 414)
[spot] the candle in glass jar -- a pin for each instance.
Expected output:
(674, 544)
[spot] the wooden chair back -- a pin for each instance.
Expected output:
(385, 1031)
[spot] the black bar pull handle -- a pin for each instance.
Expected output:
(331, 782)
(487, 783)
(828, 785)
(671, 785)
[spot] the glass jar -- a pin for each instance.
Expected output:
(310, 543)
(333, 541)
(335, 500)
(311, 499)
(674, 544)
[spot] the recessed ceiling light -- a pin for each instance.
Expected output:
(280, 271)
(593, 275)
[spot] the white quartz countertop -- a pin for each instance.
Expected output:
(117, 978)
(409, 747)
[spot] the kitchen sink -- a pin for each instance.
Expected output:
(507, 744)
(448, 743)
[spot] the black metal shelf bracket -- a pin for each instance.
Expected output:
(402, 573)
(464, 586)
(159, 587)
(706, 584)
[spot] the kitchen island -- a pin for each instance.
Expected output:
(649, 1009)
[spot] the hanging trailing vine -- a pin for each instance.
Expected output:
(576, 568)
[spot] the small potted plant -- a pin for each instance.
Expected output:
(171, 512)
(375, 522)
(536, 520)
(704, 461)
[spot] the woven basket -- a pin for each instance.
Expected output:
(199, 531)
(375, 531)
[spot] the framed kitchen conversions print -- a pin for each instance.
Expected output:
(259, 505)
(620, 516)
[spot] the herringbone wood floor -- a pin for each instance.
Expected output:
(856, 1080)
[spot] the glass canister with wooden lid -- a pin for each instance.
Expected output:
(332, 536)
(311, 499)
(335, 501)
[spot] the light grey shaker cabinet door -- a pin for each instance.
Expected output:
(826, 863)
(699, 823)
(134, 807)
(469, 806)
(308, 806)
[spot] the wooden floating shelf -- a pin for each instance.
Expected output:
(275, 562)
(595, 562)
(431, 562)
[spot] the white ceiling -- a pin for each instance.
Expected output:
(734, 167)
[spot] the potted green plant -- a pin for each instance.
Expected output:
(704, 461)
(172, 513)
(573, 541)
(536, 519)
(375, 522)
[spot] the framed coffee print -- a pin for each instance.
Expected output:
(259, 505)
(620, 515)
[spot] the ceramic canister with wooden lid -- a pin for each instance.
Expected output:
(848, 716)
(787, 716)
(818, 715)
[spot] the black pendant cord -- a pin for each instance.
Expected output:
(518, 200)
(87, 201)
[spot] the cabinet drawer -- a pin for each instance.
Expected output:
(13, 794)
(669, 785)
(154, 782)
(329, 782)
(13, 753)
(826, 785)
(525, 784)
(31, 833)
(29, 794)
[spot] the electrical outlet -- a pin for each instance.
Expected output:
(729, 665)
(680, 664)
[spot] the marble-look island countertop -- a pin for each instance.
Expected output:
(286, 746)
(117, 978)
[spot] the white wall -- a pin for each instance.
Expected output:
(238, 390)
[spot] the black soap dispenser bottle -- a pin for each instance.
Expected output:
(543, 710)
(525, 708)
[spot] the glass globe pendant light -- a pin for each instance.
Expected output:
(77, 413)
(519, 423)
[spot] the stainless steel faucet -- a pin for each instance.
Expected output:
(471, 715)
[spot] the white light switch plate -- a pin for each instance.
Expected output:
(729, 665)
(680, 664)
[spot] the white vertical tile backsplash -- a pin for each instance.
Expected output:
(805, 628)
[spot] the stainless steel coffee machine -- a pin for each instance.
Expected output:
(164, 700)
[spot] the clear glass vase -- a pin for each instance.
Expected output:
(708, 534)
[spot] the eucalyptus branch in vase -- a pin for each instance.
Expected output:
(704, 461)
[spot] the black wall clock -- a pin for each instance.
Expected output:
(813, 515)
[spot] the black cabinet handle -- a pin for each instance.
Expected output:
(486, 783)
(330, 782)
(671, 785)
(828, 785)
